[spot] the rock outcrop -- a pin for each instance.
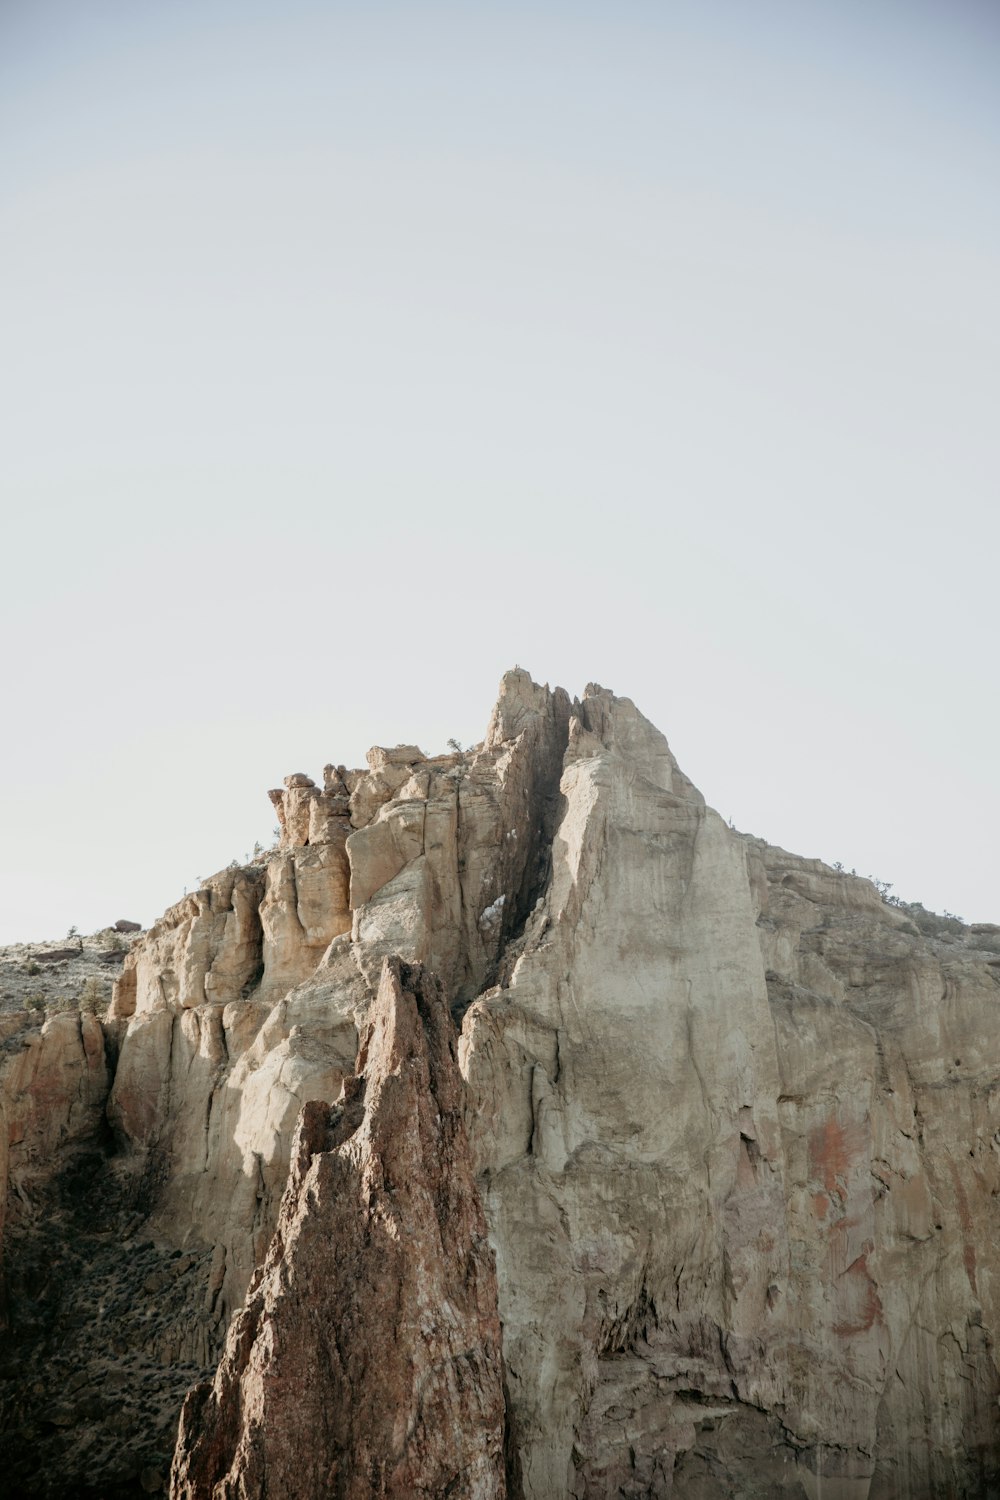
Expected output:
(367, 1359)
(53, 1089)
(734, 1123)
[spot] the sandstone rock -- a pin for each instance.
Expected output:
(53, 1086)
(734, 1120)
(640, 984)
(305, 906)
(294, 809)
(448, 868)
(216, 1092)
(715, 1202)
(334, 780)
(372, 789)
(381, 759)
(367, 1361)
(206, 948)
(307, 815)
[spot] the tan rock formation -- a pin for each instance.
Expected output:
(205, 948)
(713, 1199)
(734, 1118)
(215, 1092)
(367, 1360)
(53, 1088)
(450, 866)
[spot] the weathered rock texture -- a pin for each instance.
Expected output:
(735, 1123)
(367, 1360)
(738, 1124)
(53, 1088)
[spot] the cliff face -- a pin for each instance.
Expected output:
(733, 1123)
(367, 1359)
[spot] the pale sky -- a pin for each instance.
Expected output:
(354, 353)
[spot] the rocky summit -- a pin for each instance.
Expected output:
(514, 1128)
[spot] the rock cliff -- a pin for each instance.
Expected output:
(367, 1359)
(731, 1132)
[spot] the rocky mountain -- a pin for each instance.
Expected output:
(516, 1128)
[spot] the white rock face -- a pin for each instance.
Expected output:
(736, 1121)
(619, 1085)
(737, 1125)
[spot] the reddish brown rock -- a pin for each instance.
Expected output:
(367, 1359)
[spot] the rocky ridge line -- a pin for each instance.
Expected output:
(735, 1125)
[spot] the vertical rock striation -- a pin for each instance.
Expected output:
(367, 1360)
(623, 1092)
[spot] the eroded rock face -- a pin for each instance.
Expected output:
(447, 869)
(734, 1123)
(244, 1001)
(367, 1360)
(612, 1081)
(53, 1087)
(890, 1119)
(737, 1123)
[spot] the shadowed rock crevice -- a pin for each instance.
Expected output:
(547, 807)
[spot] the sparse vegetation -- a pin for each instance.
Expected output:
(930, 923)
(34, 1001)
(32, 968)
(93, 996)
